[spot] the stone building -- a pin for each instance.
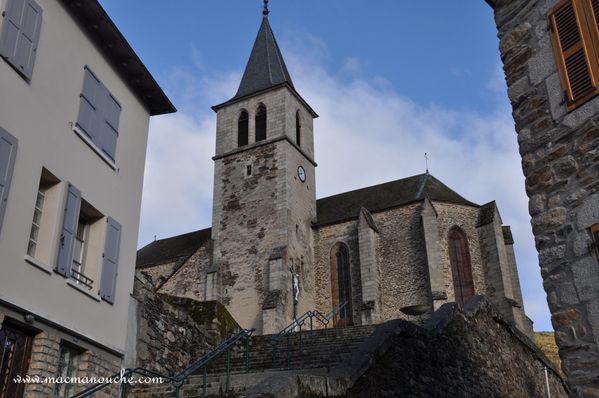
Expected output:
(394, 250)
(75, 106)
(550, 51)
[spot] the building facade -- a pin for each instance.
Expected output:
(395, 250)
(74, 112)
(550, 51)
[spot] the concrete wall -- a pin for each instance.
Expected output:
(40, 114)
(559, 160)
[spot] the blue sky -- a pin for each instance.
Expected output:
(390, 79)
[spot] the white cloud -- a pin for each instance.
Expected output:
(366, 134)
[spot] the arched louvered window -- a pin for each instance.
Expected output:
(243, 128)
(461, 269)
(341, 283)
(261, 123)
(298, 129)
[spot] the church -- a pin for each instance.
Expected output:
(395, 250)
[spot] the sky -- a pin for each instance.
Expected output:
(390, 80)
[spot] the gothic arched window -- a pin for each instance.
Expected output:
(341, 283)
(242, 128)
(461, 269)
(298, 129)
(261, 123)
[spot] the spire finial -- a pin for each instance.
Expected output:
(265, 12)
(426, 160)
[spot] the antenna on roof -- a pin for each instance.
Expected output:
(265, 12)
(426, 160)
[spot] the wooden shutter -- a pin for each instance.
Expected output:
(109, 128)
(20, 34)
(8, 152)
(72, 206)
(88, 119)
(110, 260)
(577, 60)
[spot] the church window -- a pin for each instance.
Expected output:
(575, 36)
(298, 129)
(248, 170)
(242, 129)
(261, 123)
(341, 283)
(461, 269)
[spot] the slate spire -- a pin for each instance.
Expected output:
(266, 67)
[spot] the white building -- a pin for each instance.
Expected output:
(75, 103)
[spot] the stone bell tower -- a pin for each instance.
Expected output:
(264, 195)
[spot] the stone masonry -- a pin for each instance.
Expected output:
(560, 160)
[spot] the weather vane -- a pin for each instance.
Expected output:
(265, 12)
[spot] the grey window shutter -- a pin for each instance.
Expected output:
(69, 230)
(111, 111)
(8, 152)
(110, 261)
(88, 106)
(20, 34)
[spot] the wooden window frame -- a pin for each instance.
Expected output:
(589, 41)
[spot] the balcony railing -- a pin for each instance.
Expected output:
(82, 279)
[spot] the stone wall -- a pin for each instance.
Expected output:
(174, 331)
(469, 353)
(561, 163)
(190, 279)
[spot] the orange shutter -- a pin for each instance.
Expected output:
(574, 47)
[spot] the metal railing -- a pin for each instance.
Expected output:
(80, 278)
(297, 327)
(179, 379)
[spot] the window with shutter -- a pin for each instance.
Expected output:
(575, 37)
(8, 152)
(99, 114)
(20, 35)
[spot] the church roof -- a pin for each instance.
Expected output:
(176, 248)
(266, 67)
(347, 205)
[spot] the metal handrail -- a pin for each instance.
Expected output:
(125, 375)
(179, 379)
(298, 323)
(209, 356)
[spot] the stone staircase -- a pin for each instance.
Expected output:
(318, 352)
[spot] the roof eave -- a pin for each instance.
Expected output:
(102, 31)
(234, 100)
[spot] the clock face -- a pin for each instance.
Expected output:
(301, 173)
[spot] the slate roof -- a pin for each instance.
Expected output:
(266, 67)
(176, 248)
(346, 206)
(96, 23)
